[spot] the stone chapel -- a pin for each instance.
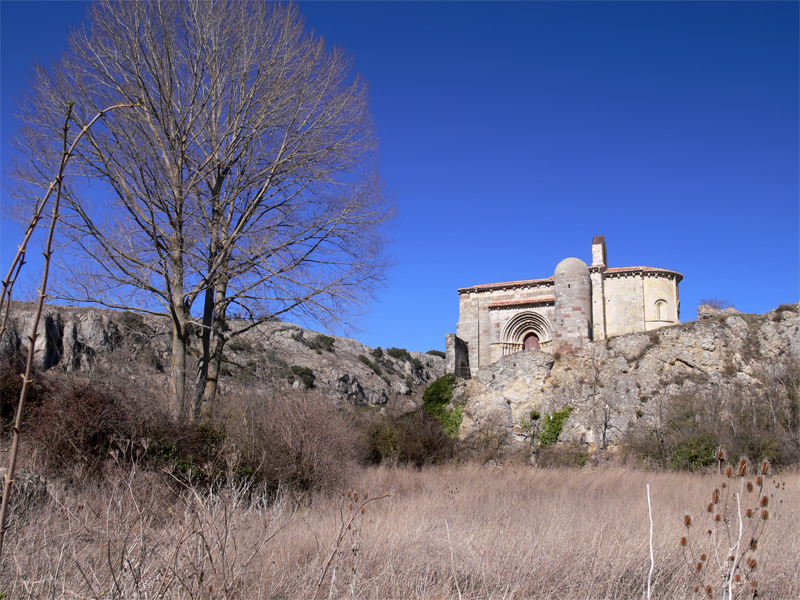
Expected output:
(560, 313)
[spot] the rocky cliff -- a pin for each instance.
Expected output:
(627, 380)
(85, 341)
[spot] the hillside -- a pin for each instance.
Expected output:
(90, 342)
(727, 378)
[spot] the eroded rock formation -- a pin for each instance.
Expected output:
(83, 340)
(628, 378)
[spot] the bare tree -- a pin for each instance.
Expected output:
(598, 400)
(246, 184)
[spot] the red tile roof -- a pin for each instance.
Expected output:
(528, 302)
(643, 271)
(487, 287)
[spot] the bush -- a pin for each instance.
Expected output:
(694, 453)
(374, 366)
(414, 438)
(716, 303)
(553, 425)
(438, 353)
(399, 354)
(571, 454)
(132, 322)
(435, 402)
(304, 374)
(12, 367)
(322, 342)
(296, 440)
(79, 425)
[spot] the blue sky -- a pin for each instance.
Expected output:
(513, 132)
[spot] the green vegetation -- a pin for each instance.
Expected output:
(319, 342)
(404, 355)
(553, 425)
(399, 354)
(438, 353)
(322, 342)
(694, 453)
(304, 374)
(436, 400)
(374, 366)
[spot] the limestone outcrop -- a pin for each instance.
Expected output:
(618, 382)
(273, 354)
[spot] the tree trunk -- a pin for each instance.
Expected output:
(202, 380)
(178, 391)
(218, 345)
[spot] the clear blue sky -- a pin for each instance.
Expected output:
(512, 133)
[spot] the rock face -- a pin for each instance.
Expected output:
(616, 382)
(272, 354)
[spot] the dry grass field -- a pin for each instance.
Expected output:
(453, 532)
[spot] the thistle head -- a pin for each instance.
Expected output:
(743, 467)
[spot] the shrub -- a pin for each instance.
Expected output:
(415, 438)
(377, 352)
(489, 440)
(438, 353)
(571, 454)
(12, 367)
(79, 424)
(322, 342)
(295, 440)
(194, 454)
(716, 303)
(374, 366)
(133, 322)
(399, 354)
(436, 400)
(304, 374)
(553, 425)
(694, 453)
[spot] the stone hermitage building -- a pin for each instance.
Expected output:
(560, 313)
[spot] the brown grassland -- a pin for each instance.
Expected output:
(455, 531)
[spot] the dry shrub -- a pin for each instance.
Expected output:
(295, 440)
(414, 438)
(12, 367)
(78, 424)
(571, 454)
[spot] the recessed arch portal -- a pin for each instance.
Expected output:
(523, 326)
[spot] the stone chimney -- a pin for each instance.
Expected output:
(599, 256)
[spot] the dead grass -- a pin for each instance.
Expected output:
(444, 533)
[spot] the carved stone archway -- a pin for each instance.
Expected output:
(524, 325)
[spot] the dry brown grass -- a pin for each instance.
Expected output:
(444, 533)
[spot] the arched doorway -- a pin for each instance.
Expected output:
(526, 330)
(531, 341)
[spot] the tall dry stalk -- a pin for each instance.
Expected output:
(724, 559)
(8, 284)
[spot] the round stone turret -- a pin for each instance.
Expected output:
(573, 304)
